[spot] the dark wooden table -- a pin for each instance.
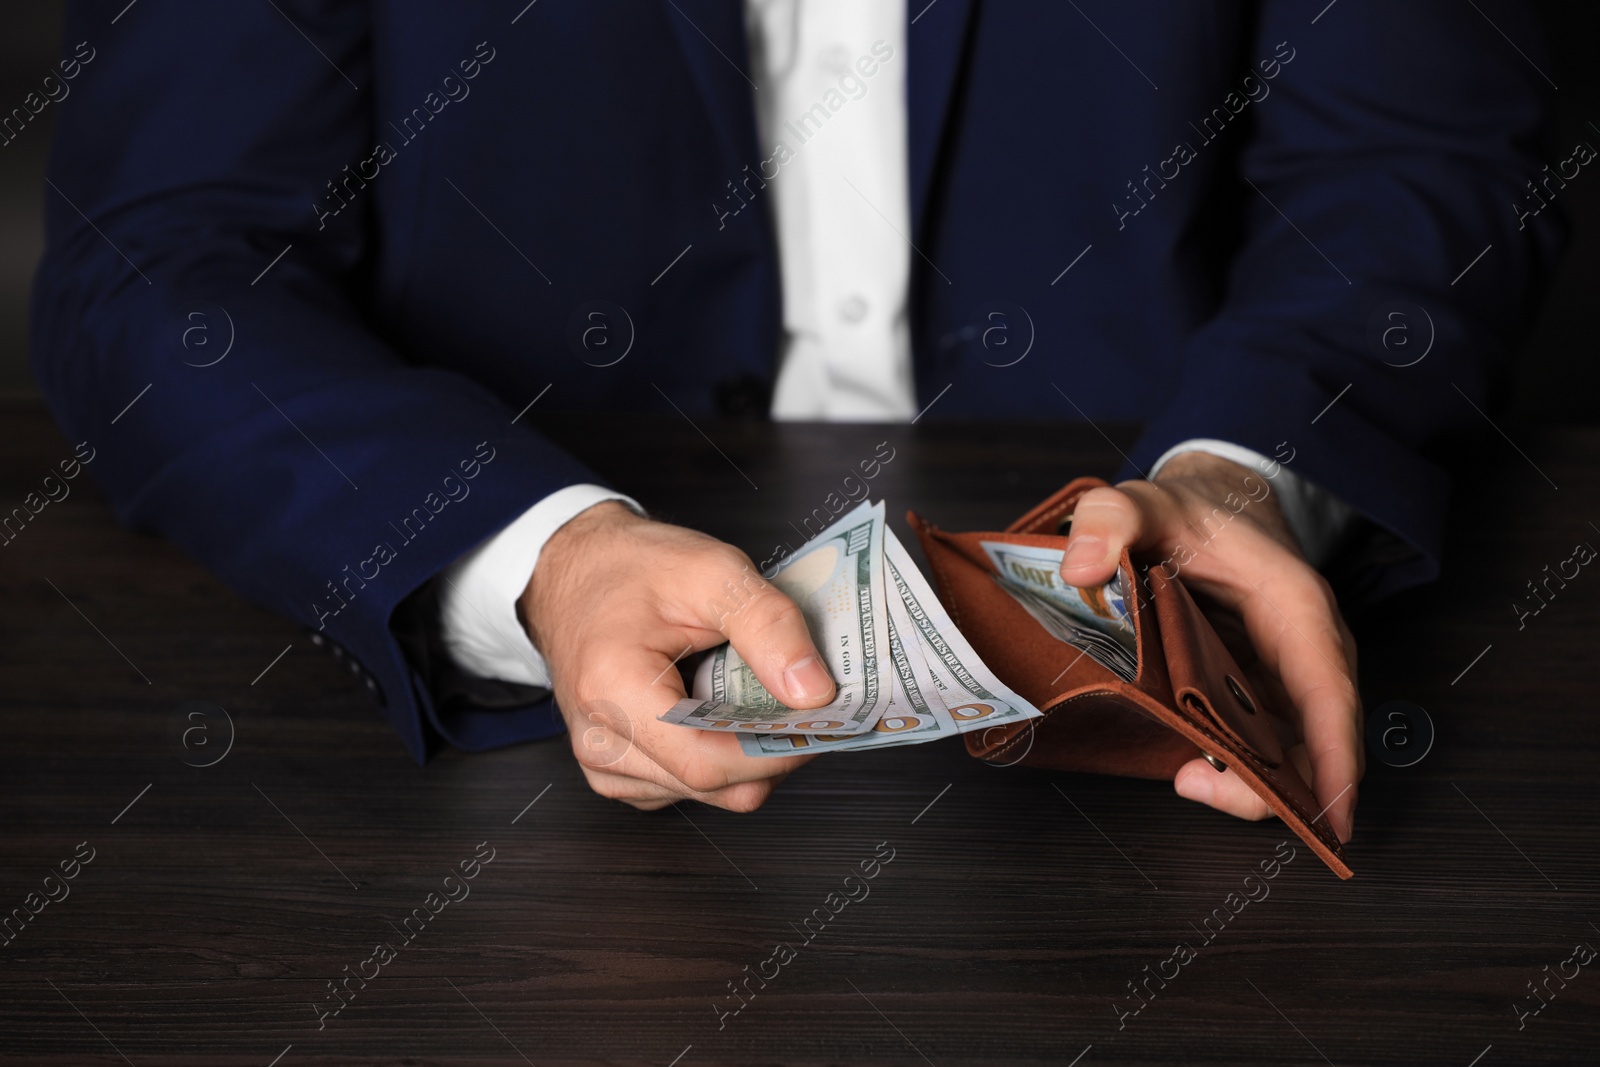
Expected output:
(221, 900)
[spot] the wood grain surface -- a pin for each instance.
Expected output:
(1019, 905)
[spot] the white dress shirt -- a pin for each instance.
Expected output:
(831, 77)
(841, 203)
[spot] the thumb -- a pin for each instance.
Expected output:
(1104, 522)
(769, 633)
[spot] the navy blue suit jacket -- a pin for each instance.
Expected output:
(400, 212)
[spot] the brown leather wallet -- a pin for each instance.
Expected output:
(1188, 697)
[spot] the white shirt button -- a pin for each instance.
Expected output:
(854, 309)
(836, 59)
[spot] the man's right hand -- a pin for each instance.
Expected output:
(615, 601)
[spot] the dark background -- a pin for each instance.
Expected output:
(1556, 377)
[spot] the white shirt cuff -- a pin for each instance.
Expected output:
(1317, 518)
(479, 592)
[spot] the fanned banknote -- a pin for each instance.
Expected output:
(966, 687)
(837, 581)
(907, 720)
(938, 685)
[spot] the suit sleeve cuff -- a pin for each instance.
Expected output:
(478, 593)
(1318, 518)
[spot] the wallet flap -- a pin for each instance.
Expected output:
(1217, 709)
(1206, 681)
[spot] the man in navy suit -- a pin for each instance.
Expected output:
(412, 220)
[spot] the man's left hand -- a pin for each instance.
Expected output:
(1251, 566)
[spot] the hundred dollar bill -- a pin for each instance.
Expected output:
(917, 710)
(1104, 650)
(907, 720)
(1104, 607)
(893, 729)
(966, 689)
(837, 579)
(1093, 619)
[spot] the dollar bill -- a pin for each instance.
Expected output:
(837, 579)
(1038, 569)
(907, 720)
(938, 685)
(895, 728)
(965, 687)
(1094, 619)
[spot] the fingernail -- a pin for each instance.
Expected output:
(807, 680)
(1196, 786)
(1084, 552)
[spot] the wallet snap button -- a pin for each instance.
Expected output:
(1215, 762)
(1254, 733)
(1238, 693)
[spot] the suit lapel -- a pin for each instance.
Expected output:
(934, 46)
(711, 36)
